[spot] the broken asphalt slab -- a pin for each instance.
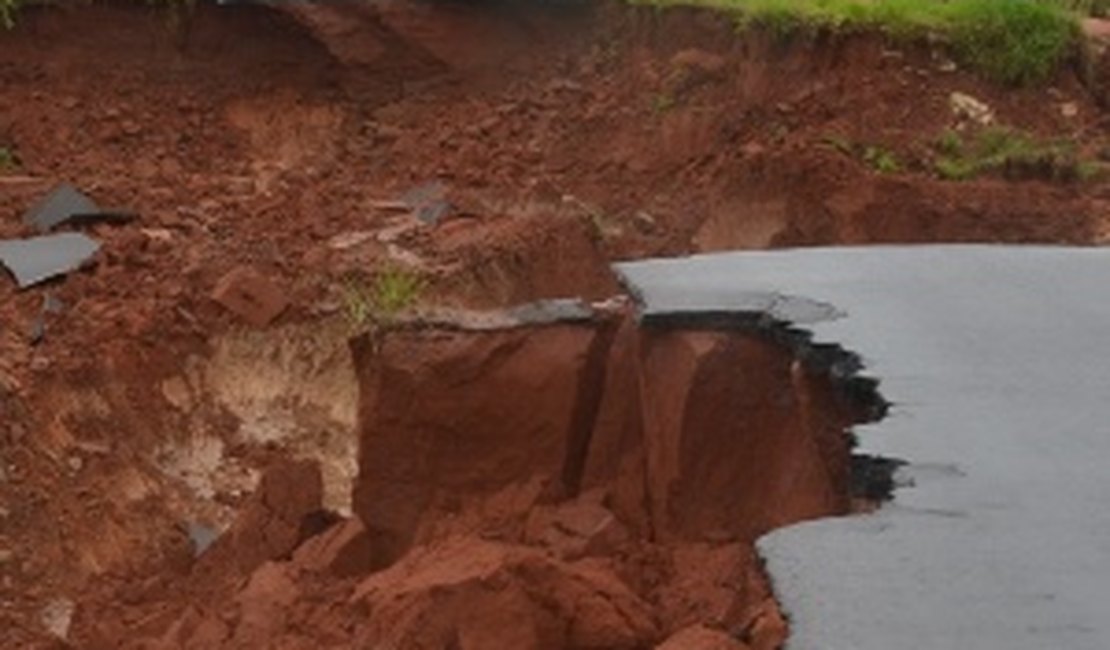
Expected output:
(38, 259)
(67, 204)
(997, 367)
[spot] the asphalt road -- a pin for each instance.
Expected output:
(997, 362)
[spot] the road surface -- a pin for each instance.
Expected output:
(997, 362)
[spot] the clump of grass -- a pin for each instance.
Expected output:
(9, 160)
(881, 160)
(1009, 152)
(878, 158)
(8, 9)
(1096, 8)
(1011, 41)
(390, 291)
(662, 102)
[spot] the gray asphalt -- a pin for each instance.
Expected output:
(997, 362)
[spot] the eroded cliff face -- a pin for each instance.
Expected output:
(509, 470)
(546, 478)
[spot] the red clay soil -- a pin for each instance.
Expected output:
(282, 141)
(472, 528)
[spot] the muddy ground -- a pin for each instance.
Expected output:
(144, 420)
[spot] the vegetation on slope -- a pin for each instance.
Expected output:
(1011, 41)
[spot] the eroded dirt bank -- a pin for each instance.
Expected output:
(563, 484)
(139, 426)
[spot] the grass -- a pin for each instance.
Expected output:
(1012, 153)
(881, 160)
(878, 158)
(390, 291)
(8, 10)
(662, 103)
(9, 160)
(1010, 41)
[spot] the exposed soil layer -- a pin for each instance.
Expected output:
(585, 484)
(141, 425)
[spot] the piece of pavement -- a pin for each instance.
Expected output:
(66, 204)
(37, 259)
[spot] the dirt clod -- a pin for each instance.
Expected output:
(250, 295)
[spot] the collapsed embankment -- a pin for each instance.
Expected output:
(139, 423)
(550, 477)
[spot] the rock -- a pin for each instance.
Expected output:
(57, 616)
(769, 630)
(699, 637)
(177, 393)
(454, 414)
(6, 555)
(947, 66)
(576, 529)
(1069, 109)
(347, 240)
(196, 630)
(343, 550)
(249, 294)
(264, 604)
(966, 107)
(284, 510)
(490, 595)
(708, 584)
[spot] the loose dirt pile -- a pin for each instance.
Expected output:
(284, 141)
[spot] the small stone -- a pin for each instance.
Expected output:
(966, 107)
(1069, 109)
(57, 616)
(6, 555)
(177, 393)
(130, 127)
(346, 240)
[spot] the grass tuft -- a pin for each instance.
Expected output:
(8, 10)
(1012, 41)
(389, 292)
(1011, 153)
(9, 160)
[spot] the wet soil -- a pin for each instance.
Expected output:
(565, 139)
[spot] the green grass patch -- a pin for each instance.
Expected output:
(390, 291)
(878, 158)
(8, 10)
(9, 160)
(881, 160)
(1010, 153)
(1011, 41)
